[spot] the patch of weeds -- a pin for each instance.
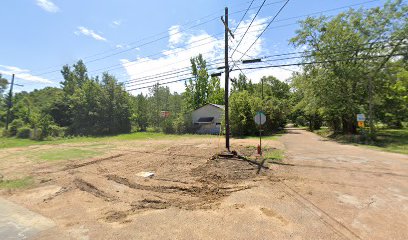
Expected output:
(16, 183)
(274, 155)
(66, 154)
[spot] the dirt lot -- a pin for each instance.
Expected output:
(322, 190)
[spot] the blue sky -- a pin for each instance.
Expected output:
(39, 36)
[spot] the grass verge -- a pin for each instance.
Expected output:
(391, 140)
(66, 154)
(16, 183)
(274, 155)
(16, 142)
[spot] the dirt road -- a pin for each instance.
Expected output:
(360, 193)
(322, 190)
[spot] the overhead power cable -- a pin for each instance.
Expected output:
(152, 41)
(273, 19)
(286, 65)
(310, 54)
(243, 16)
(249, 26)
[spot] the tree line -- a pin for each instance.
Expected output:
(354, 62)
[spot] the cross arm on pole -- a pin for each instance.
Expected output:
(226, 26)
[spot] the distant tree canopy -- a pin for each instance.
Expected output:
(94, 106)
(360, 55)
(3, 85)
(353, 62)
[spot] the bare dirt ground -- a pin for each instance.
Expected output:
(322, 190)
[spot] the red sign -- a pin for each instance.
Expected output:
(165, 114)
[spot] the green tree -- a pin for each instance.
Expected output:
(352, 48)
(3, 85)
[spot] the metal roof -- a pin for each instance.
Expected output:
(215, 105)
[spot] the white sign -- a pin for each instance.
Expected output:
(360, 117)
(260, 118)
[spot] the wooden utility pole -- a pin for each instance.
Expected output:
(226, 91)
(9, 103)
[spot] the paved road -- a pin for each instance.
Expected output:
(17, 222)
(359, 192)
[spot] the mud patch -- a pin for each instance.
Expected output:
(74, 166)
(270, 213)
(87, 187)
(116, 216)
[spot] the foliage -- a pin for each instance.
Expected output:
(24, 132)
(201, 89)
(3, 85)
(352, 51)
(244, 104)
(14, 126)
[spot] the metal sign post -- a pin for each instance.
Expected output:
(260, 119)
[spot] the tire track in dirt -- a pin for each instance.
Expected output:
(87, 187)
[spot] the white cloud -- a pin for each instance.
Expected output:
(23, 74)
(212, 49)
(48, 6)
(90, 33)
(174, 35)
(117, 22)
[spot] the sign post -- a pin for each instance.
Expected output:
(260, 119)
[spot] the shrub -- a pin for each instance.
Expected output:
(167, 126)
(14, 126)
(56, 131)
(37, 134)
(24, 132)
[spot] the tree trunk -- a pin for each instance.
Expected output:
(349, 126)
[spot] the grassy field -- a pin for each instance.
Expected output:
(391, 140)
(16, 183)
(17, 142)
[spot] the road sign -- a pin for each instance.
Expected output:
(361, 117)
(260, 118)
(165, 114)
(360, 124)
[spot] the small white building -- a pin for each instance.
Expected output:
(208, 118)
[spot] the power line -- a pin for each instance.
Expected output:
(177, 71)
(243, 16)
(113, 67)
(152, 41)
(253, 19)
(164, 74)
(284, 65)
(280, 10)
(161, 79)
(159, 84)
(321, 62)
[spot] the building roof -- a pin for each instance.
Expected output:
(218, 106)
(212, 104)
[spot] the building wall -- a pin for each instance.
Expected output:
(209, 111)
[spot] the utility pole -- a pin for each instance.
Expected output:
(370, 106)
(9, 103)
(227, 125)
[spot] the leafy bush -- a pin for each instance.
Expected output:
(37, 134)
(14, 126)
(167, 126)
(24, 132)
(56, 131)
